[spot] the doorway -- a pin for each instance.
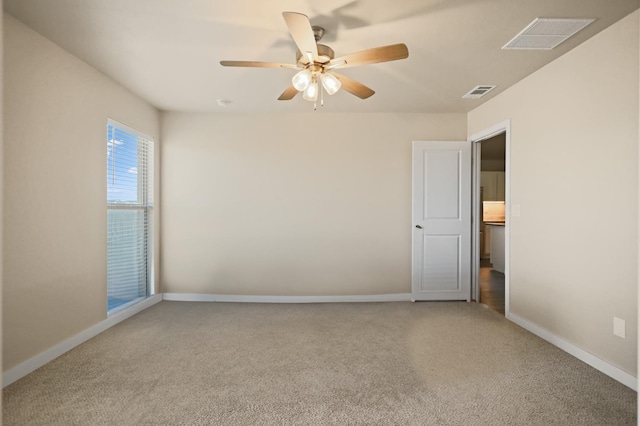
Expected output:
(491, 230)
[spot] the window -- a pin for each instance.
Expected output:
(129, 215)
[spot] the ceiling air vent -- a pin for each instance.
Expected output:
(546, 33)
(478, 91)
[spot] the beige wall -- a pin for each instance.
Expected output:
(574, 248)
(299, 204)
(55, 115)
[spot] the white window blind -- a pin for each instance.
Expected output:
(129, 215)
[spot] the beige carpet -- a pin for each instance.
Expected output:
(181, 363)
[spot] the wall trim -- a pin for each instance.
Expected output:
(32, 364)
(186, 297)
(584, 356)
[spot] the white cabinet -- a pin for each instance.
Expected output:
(489, 186)
(486, 248)
(493, 185)
(497, 247)
(500, 186)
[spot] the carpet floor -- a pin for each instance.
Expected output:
(447, 363)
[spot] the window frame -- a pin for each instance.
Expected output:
(145, 203)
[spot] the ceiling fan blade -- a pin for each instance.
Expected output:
(301, 32)
(257, 64)
(392, 52)
(354, 87)
(288, 94)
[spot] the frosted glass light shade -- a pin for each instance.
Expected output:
(331, 83)
(311, 92)
(301, 80)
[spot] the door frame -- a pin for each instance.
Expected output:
(502, 127)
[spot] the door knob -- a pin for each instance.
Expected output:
(418, 226)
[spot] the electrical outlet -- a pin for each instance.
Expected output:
(618, 327)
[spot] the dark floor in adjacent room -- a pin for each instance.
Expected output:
(491, 286)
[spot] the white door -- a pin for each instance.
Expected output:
(441, 264)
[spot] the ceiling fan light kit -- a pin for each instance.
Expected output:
(330, 83)
(311, 92)
(316, 62)
(301, 80)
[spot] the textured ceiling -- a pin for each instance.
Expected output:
(168, 51)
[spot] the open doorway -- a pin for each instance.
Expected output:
(491, 256)
(491, 224)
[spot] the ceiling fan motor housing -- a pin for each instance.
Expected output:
(325, 54)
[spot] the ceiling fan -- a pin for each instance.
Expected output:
(316, 63)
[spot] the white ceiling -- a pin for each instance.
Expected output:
(168, 51)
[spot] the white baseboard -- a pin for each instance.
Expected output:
(32, 364)
(584, 356)
(185, 297)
